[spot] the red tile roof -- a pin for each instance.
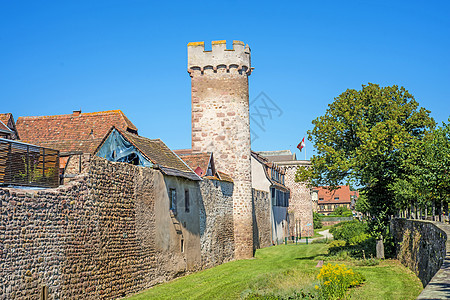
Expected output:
(343, 193)
(3, 127)
(68, 133)
(199, 162)
(7, 120)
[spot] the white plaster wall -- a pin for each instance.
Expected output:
(259, 179)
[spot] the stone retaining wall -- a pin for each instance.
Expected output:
(423, 247)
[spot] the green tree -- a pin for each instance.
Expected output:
(370, 137)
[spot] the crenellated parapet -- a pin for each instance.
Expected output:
(219, 58)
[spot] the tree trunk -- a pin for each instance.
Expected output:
(434, 211)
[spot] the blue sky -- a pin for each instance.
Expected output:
(56, 57)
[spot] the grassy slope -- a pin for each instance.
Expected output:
(282, 268)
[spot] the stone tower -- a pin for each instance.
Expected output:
(221, 124)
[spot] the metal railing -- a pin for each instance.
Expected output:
(28, 165)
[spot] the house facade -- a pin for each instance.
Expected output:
(301, 205)
(329, 200)
(268, 182)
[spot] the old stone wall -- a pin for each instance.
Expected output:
(109, 233)
(34, 228)
(300, 201)
(421, 246)
(216, 222)
(262, 232)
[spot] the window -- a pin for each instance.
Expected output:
(336, 198)
(320, 199)
(322, 207)
(173, 200)
(186, 200)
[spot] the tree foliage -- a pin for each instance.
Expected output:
(372, 138)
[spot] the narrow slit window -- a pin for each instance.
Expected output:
(186, 201)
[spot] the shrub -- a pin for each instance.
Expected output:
(317, 220)
(348, 230)
(335, 280)
(337, 243)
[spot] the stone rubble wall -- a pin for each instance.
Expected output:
(300, 201)
(99, 237)
(262, 224)
(421, 246)
(35, 226)
(216, 222)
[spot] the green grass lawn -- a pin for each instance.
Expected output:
(283, 269)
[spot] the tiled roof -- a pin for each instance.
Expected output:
(68, 133)
(7, 120)
(3, 127)
(199, 162)
(343, 193)
(183, 151)
(225, 176)
(159, 154)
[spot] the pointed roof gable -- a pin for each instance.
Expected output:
(7, 120)
(157, 153)
(199, 162)
(73, 132)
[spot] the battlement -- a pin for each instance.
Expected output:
(219, 57)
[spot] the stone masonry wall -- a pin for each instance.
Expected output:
(34, 227)
(262, 225)
(221, 124)
(216, 222)
(100, 236)
(421, 246)
(300, 201)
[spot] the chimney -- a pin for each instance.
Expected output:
(76, 113)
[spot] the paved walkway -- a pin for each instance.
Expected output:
(325, 233)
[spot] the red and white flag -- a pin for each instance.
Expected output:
(301, 144)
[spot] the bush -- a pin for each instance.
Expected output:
(317, 220)
(348, 230)
(335, 280)
(337, 243)
(342, 211)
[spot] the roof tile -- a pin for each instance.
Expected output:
(69, 133)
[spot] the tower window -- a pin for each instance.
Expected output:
(186, 201)
(173, 200)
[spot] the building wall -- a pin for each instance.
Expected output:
(262, 219)
(300, 201)
(106, 234)
(259, 179)
(221, 124)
